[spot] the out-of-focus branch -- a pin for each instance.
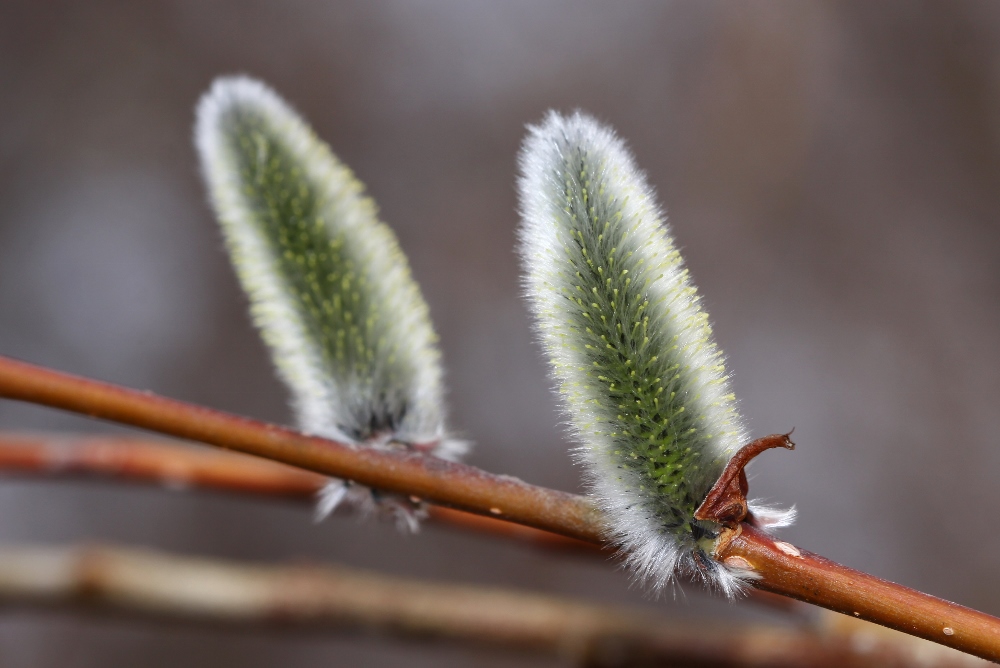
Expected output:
(781, 567)
(145, 460)
(196, 590)
(180, 466)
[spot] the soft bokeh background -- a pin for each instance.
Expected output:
(832, 171)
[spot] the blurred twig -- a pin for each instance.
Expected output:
(171, 465)
(782, 568)
(180, 466)
(170, 587)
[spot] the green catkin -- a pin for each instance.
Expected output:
(330, 289)
(631, 350)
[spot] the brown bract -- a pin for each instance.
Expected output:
(726, 502)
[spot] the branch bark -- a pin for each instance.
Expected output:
(411, 474)
(788, 570)
(181, 466)
(809, 579)
(194, 590)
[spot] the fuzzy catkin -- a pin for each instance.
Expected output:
(642, 382)
(330, 289)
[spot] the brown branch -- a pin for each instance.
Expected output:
(809, 578)
(788, 570)
(185, 589)
(411, 474)
(172, 465)
(180, 466)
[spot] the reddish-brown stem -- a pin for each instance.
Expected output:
(446, 483)
(179, 466)
(790, 571)
(504, 528)
(811, 579)
(171, 465)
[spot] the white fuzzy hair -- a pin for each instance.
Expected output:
(592, 239)
(398, 379)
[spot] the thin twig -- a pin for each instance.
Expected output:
(172, 465)
(467, 488)
(181, 466)
(176, 588)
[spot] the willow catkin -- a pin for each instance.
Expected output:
(330, 289)
(642, 382)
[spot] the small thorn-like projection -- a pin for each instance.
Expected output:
(726, 503)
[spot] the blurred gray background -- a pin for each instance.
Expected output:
(831, 170)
